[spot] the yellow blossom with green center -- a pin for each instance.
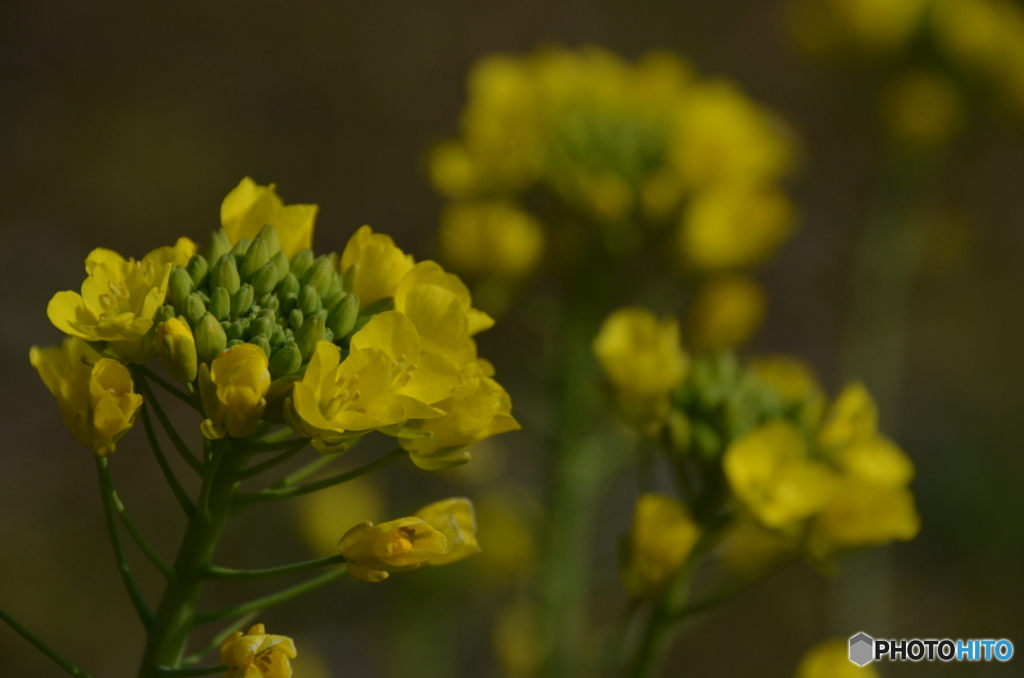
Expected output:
(249, 207)
(95, 395)
(257, 654)
(379, 264)
(233, 390)
(663, 536)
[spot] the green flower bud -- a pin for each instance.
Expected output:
(319, 275)
(307, 336)
(210, 338)
(261, 327)
(343, 317)
(197, 269)
(268, 234)
(219, 246)
(177, 350)
(281, 262)
(309, 300)
(163, 314)
(301, 261)
(295, 319)
(255, 258)
(277, 335)
(220, 303)
(288, 285)
(289, 335)
(234, 342)
(242, 300)
(361, 322)
(203, 296)
(333, 296)
(273, 303)
(254, 311)
(265, 280)
(285, 362)
(379, 306)
(235, 330)
(195, 309)
(328, 335)
(225, 274)
(179, 286)
(349, 277)
(240, 248)
(262, 343)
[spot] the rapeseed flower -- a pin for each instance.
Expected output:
(257, 654)
(664, 534)
(249, 207)
(233, 391)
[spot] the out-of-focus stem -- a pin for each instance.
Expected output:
(52, 654)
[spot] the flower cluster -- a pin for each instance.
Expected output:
(616, 144)
(263, 329)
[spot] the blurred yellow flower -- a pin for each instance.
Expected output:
(380, 265)
(257, 654)
(852, 418)
(643, 359)
(320, 513)
(249, 207)
(749, 548)
(233, 391)
(795, 382)
(177, 349)
(480, 408)
(491, 238)
(95, 395)
(922, 107)
(664, 534)
(770, 472)
(871, 26)
(831, 659)
(726, 312)
(734, 226)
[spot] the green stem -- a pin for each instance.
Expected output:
(138, 602)
(298, 475)
(263, 603)
(43, 647)
(290, 452)
(219, 639)
(214, 572)
(172, 435)
(184, 673)
(274, 446)
(166, 570)
(161, 460)
(167, 386)
(730, 592)
(247, 498)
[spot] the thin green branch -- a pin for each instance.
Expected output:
(43, 647)
(161, 460)
(277, 436)
(138, 602)
(203, 505)
(246, 498)
(274, 599)
(298, 475)
(159, 563)
(219, 639)
(295, 448)
(214, 572)
(729, 592)
(260, 446)
(172, 435)
(184, 673)
(167, 386)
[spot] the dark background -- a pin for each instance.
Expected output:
(124, 126)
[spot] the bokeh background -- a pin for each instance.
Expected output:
(124, 126)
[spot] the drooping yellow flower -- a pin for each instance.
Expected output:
(795, 382)
(440, 306)
(734, 226)
(233, 391)
(770, 472)
(664, 533)
(491, 238)
(95, 395)
(250, 206)
(831, 659)
(257, 654)
(119, 298)
(726, 312)
(384, 381)
(177, 349)
(456, 520)
(643, 359)
(380, 263)
(480, 408)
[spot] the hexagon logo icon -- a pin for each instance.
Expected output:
(862, 649)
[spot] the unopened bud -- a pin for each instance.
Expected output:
(240, 248)
(309, 300)
(220, 303)
(285, 362)
(234, 342)
(349, 277)
(225, 274)
(255, 258)
(177, 350)
(194, 309)
(295, 319)
(288, 285)
(179, 286)
(197, 269)
(343, 317)
(307, 336)
(242, 300)
(268, 234)
(277, 335)
(301, 261)
(210, 338)
(281, 262)
(235, 330)
(219, 246)
(261, 327)
(265, 280)
(319, 275)
(262, 343)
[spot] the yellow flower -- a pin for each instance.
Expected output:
(480, 408)
(795, 382)
(852, 418)
(923, 108)
(663, 536)
(384, 381)
(250, 206)
(233, 390)
(830, 659)
(770, 473)
(643, 359)
(493, 238)
(440, 306)
(380, 263)
(452, 169)
(256, 654)
(95, 395)
(438, 534)
(860, 515)
(177, 349)
(734, 226)
(119, 298)
(726, 312)
(749, 548)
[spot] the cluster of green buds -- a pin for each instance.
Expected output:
(253, 293)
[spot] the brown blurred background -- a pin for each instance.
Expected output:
(124, 126)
